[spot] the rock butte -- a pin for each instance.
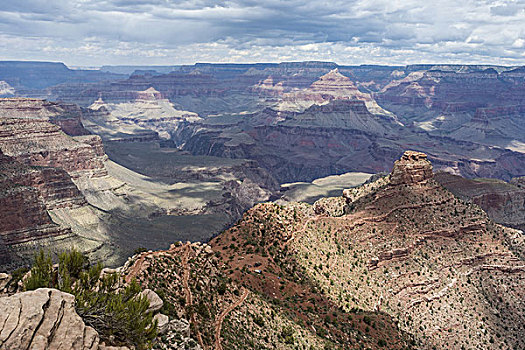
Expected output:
(413, 167)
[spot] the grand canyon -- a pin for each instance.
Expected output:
(213, 175)
(302, 204)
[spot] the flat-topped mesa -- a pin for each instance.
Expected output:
(412, 168)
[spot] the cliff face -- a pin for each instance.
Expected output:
(41, 170)
(26, 195)
(28, 135)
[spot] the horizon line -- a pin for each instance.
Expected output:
(76, 67)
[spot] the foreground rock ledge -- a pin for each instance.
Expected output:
(43, 319)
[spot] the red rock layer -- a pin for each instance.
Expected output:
(24, 214)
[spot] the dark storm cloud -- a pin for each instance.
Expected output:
(357, 31)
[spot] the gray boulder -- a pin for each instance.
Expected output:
(43, 319)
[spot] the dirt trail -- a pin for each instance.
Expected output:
(135, 269)
(223, 315)
(187, 291)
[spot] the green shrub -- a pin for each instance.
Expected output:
(202, 310)
(287, 335)
(167, 308)
(18, 274)
(258, 320)
(72, 263)
(121, 315)
(139, 250)
(222, 288)
(118, 315)
(41, 272)
(367, 320)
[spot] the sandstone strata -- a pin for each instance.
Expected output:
(40, 169)
(26, 195)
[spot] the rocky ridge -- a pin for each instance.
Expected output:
(230, 312)
(403, 246)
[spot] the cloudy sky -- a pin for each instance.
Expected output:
(96, 32)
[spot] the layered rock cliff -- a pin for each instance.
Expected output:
(28, 135)
(26, 196)
(47, 175)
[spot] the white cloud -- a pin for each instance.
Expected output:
(81, 32)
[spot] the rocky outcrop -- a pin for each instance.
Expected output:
(155, 302)
(412, 168)
(69, 118)
(241, 195)
(44, 319)
(162, 323)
